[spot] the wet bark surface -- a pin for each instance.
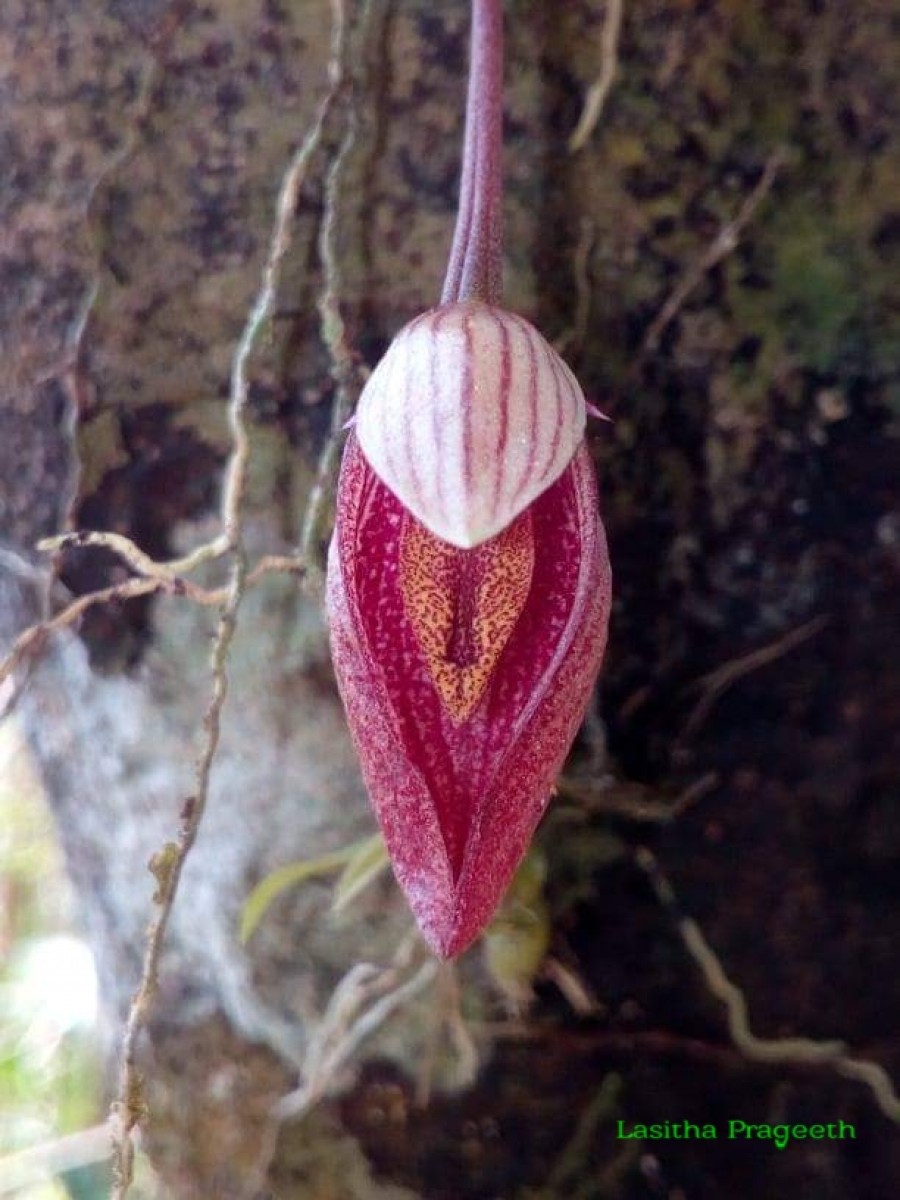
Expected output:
(750, 491)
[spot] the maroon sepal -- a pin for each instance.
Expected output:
(465, 674)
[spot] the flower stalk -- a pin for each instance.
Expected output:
(474, 271)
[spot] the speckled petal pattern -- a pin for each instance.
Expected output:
(459, 776)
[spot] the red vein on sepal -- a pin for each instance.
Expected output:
(503, 406)
(532, 407)
(468, 397)
(433, 379)
(558, 424)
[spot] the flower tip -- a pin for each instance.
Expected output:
(593, 411)
(451, 932)
(447, 944)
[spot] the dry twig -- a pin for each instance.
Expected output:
(343, 367)
(572, 340)
(720, 247)
(359, 1005)
(718, 681)
(35, 637)
(792, 1050)
(133, 556)
(600, 89)
(632, 801)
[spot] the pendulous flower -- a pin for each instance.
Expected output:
(468, 577)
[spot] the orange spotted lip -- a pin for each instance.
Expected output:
(463, 608)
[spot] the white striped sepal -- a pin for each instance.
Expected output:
(468, 418)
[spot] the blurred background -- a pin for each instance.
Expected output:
(50, 1055)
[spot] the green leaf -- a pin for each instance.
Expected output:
(370, 859)
(269, 888)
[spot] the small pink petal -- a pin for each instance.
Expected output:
(594, 411)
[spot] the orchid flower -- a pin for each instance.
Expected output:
(468, 578)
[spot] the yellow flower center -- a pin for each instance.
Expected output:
(463, 605)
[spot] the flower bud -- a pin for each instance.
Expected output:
(465, 671)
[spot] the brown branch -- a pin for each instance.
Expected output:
(130, 553)
(632, 801)
(167, 865)
(344, 373)
(599, 90)
(720, 247)
(572, 340)
(33, 639)
(792, 1050)
(722, 678)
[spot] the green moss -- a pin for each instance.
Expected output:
(816, 300)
